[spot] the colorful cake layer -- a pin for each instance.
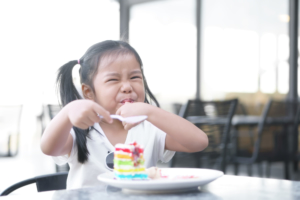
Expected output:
(129, 162)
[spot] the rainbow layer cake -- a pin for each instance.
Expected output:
(129, 162)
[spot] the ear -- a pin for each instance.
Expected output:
(87, 92)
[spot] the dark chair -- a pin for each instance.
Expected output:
(241, 109)
(176, 108)
(271, 141)
(295, 155)
(54, 110)
(245, 134)
(48, 182)
(214, 118)
(41, 119)
(48, 112)
(10, 118)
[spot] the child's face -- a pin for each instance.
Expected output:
(118, 80)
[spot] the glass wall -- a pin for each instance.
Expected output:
(37, 37)
(164, 34)
(244, 52)
(245, 48)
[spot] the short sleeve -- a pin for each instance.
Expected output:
(164, 155)
(61, 160)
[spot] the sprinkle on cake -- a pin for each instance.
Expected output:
(129, 162)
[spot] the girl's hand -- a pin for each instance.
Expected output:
(84, 113)
(127, 126)
(133, 109)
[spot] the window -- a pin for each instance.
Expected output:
(244, 47)
(37, 37)
(164, 34)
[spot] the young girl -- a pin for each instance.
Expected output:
(112, 82)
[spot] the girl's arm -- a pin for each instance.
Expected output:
(182, 135)
(56, 139)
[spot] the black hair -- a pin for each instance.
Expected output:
(89, 65)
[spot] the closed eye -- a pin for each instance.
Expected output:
(112, 80)
(135, 77)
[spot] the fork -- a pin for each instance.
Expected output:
(131, 120)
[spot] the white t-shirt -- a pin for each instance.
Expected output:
(85, 175)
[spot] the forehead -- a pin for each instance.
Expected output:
(113, 62)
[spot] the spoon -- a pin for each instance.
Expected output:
(131, 120)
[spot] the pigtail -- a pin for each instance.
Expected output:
(64, 80)
(81, 136)
(68, 93)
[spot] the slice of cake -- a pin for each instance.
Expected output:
(129, 162)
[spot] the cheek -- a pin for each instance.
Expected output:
(105, 95)
(109, 93)
(141, 93)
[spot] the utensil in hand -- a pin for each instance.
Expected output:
(130, 120)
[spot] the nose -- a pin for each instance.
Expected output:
(126, 87)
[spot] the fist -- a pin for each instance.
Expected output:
(132, 109)
(84, 113)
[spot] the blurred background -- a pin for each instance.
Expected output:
(211, 50)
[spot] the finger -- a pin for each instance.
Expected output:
(87, 122)
(83, 125)
(94, 117)
(119, 111)
(126, 127)
(130, 126)
(134, 124)
(101, 111)
(80, 123)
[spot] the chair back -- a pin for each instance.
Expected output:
(295, 154)
(217, 117)
(220, 114)
(53, 110)
(176, 108)
(241, 109)
(44, 183)
(284, 108)
(55, 181)
(276, 117)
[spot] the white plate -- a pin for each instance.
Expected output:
(204, 176)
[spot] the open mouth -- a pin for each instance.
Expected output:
(127, 100)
